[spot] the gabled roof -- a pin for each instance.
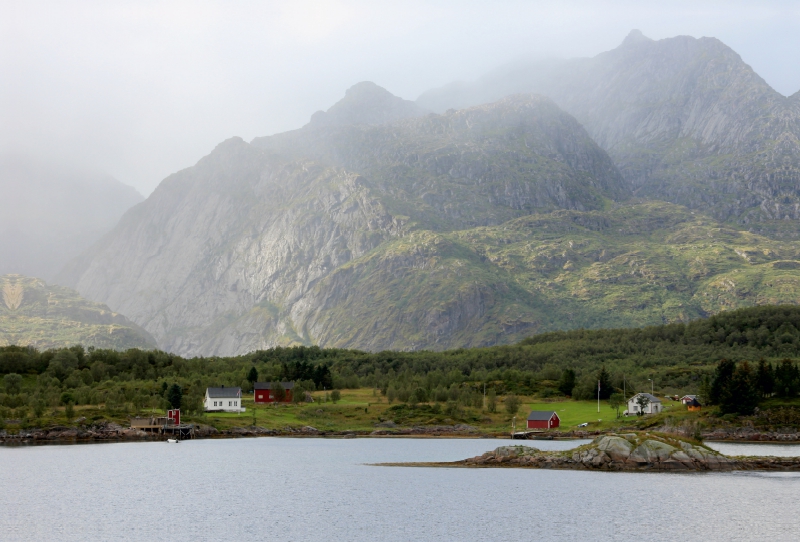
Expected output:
(224, 393)
(694, 402)
(653, 398)
(541, 415)
(268, 385)
(690, 397)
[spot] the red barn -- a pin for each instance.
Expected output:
(543, 419)
(263, 392)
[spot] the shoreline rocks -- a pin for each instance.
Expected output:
(623, 452)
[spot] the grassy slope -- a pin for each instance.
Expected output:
(53, 317)
(633, 265)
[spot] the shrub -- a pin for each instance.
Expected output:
(512, 404)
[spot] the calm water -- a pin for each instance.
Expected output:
(319, 489)
(741, 448)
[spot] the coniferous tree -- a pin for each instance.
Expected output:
(567, 382)
(606, 388)
(720, 384)
(175, 396)
(252, 376)
(742, 395)
(766, 378)
(787, 379)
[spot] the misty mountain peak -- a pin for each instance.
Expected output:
(367, 103)
(635, 37)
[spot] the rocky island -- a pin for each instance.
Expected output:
(621, 452)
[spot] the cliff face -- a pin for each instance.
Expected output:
(256, 245)
(477, 166)
(685, 120)
(475, 227)
(33, 313)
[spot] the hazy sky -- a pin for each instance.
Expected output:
(143, 89)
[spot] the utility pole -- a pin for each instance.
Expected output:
(598, 397)
(484, 396)
(651, 385)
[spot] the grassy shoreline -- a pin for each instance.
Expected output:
(364, 412)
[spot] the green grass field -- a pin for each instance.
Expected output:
(573, 413)
(361, 409)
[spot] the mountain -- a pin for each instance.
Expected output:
(474, 227)
(367, 103)
(272, 242)
(33, 313)
(684, 119)
(53, 212)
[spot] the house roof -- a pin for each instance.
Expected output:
(653, 398)
(223, 392)
(690, 397)
(541, 415)
(693, 402)
(268, 385)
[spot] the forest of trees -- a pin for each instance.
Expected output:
(679, 358)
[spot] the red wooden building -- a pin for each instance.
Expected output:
(263, 392)
(543, 419)
(174, 415)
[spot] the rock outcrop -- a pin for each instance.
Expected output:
(626, 452)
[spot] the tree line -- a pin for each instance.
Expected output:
(676, 357)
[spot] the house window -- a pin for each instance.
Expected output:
(229, 403)
(260, 396)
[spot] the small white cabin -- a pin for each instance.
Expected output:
(653, 407)
(223, 400)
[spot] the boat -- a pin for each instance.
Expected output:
(173, 440)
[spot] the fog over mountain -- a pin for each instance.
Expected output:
(140, 90)
(378, 226)
(685, 120)
(54, 211)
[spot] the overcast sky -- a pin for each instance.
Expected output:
(143, 89)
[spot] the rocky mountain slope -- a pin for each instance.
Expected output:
(475, 227)
(227, 256)
(53, 212)
(33, 313)
(685, 120)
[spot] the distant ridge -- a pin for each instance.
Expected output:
(684, 119)
(367, 103)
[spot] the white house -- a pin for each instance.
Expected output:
(223, 400)
(653, 407)
(686, 399)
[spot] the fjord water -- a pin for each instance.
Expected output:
(320, 489)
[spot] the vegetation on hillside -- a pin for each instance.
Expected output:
(678, 358)
(34, 313)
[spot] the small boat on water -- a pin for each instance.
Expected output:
(173, 440)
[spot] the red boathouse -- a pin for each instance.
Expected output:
(264, 392)
(543, 419)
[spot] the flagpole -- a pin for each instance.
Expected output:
(598, 397)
